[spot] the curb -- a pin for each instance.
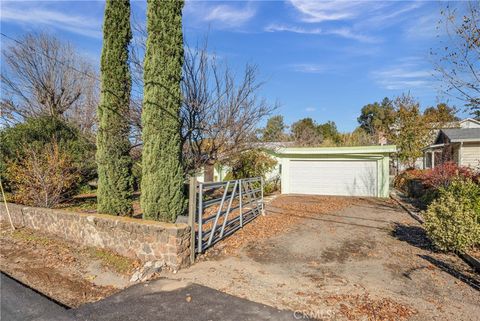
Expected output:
(470, 260)
(417, 217)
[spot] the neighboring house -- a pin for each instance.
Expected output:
(423, 162)
(469, 123)
(213, 173)
(460, 145)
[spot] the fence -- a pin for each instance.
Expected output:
(218, 209)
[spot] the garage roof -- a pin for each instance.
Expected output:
(377, 149)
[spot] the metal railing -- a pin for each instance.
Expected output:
(218, 209)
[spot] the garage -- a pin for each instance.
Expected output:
(346, 171)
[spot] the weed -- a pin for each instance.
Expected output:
(117, 262)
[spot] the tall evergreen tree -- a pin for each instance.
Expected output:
(162, 195)
(115, 184)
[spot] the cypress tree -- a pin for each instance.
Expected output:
(115, 182)
(162, 173)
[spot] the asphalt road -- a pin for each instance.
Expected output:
(21, 303)
(153, 301)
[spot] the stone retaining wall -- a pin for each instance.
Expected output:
(164, 243)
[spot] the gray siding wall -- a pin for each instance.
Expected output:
(471, 154)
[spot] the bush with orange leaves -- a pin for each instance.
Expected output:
(44, 177)
(402, 180)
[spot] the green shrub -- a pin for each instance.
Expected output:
(251, 163)
(452, 221)
(271, 186)
(428, 197)
(34, 134)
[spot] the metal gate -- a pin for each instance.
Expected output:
(218, 209)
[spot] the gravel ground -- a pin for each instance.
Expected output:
(341, 259)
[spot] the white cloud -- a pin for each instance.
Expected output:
(285, 28)
(391, 16)
(319, 11)
(32, 15)
(341, 32)
(230, 15)
(350, 34)
(222, 15)
(424, 27)
(309, 68)
(358, 18)
(408, 74)
(310, 109)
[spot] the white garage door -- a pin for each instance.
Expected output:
(329, 177)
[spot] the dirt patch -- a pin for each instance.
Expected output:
(282, 214)
(68, 273)
(349, 249)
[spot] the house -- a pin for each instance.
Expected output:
(348, 171)
(421, 162)
(460, 145)
(469, 123)
(212, 173)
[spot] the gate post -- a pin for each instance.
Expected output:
(240, 197)
(200, 217)
(261, 187)
(192, 208)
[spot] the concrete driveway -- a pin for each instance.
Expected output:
(370, 261)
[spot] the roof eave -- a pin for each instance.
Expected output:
(337, 150)
(433, 146)
(465, 140)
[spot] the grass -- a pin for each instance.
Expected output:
(87, 203)
(111, 260)
(27, 236)
(82, 206)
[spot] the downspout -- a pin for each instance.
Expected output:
(460, 154)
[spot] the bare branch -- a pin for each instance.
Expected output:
(44, 76)
(457, 58)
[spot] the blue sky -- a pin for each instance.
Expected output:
(319, 59)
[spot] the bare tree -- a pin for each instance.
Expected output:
(42, 75)
(137, 52)
(457, 58)
(220, 112)
(84, 112)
